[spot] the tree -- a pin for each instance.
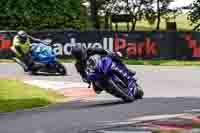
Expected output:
(137, 9)
(134, 8)
(194, 14)
(94, 14)
(172, 14)
(162, 10)
(96, 8)
(45, 14)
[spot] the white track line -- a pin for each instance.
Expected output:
(147, 118)
(55, 85)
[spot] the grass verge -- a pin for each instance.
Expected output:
(163, 62)
(183, 24)
(6, 61)
(153, 62)
(15, 95)
(142, 62)
(11, 61)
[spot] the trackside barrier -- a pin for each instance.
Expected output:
(133, 45)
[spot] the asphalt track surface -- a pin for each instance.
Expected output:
(168, 90)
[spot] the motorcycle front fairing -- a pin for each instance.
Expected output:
(42, 53)
(102, 70)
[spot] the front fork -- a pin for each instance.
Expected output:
(128, 76)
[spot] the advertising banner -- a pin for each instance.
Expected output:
(133, 45)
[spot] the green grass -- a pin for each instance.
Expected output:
(11, 61)
(70, 60)
(152, 62)
(15, 95)
(172, 131)
(5, 61)
(163, 62)
(146, 62)
(182, 25)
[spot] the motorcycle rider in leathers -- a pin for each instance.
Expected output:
(21, 47)
(81, 55)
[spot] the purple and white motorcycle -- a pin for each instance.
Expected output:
(106, 72)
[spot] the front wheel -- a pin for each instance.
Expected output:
(119, 91)
(139, 94)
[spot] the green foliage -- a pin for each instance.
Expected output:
(161, 11)
(162, 62)
(136, 9)
(194, 14)
(42, 14)
(139, 10)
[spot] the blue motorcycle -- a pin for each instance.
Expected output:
(45, 60)
(100, 73)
